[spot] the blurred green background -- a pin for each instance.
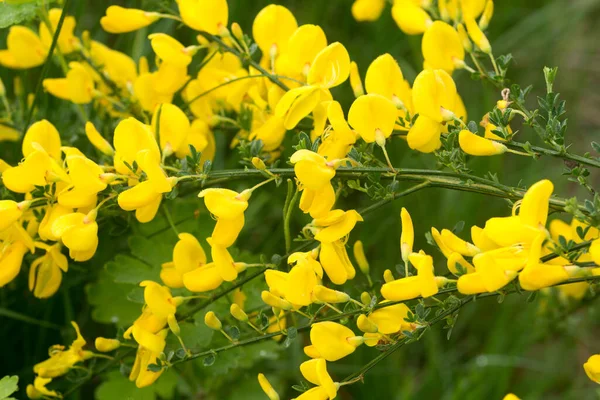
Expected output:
(535, 350)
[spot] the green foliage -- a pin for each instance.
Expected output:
(8, 385)
(116, 386)
(16, 12)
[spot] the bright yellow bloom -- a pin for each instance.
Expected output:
(359, 255)
(130, 137)
(326, 295)
(315, 371)
(206, 278)
(535, 275)
(45, 135)
(25, 49)
(97, 140)
(373, 116)
(333, 341)
(355, 81)
(457, 258)
(140, 373)
(225, 203)
(67, 41)
(336, 225)
(105, 345)
(331, 67)
(533, 213)
(510, 396)
(212, 321)
(367, 10)
(312, 169)
(223, 261)
(476, 145)
(488, 12)
(456, 244)
(267, 388)
(121, 20)
(477, 36)
(61, 361)
(411, 18)
(302, 281)
(442, 47)
(118, 66)
(335, 262)
(272, 28)
(303, 46)
(424, 135)
(169, 49)
(79, 232)
(205, 15)
(385, 77)
(10, 261)
(188, 255)
(434, 95)
(407, 237)
(592, 368)
(10, 212)
(45, 273)
(39, 391)
(173, 128)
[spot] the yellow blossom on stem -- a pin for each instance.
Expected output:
(442, 47)
(272, 28)
(121, 20)
(211, 16)
(267, 388)
(333, 341)
(367, 10)
(410, 18)
(592, 368)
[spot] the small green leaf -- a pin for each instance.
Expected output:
(8, 385)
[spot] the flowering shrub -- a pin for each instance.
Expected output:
(171, 155)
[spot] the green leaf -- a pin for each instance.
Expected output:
(8, 385)
(12, 14)
(116, 386)
(127, 269)
(110, 303)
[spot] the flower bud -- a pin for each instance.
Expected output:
(355, 81)
(105, 345)
(476, 145)
(477, 36)
(258, 164)
(364, 324)
(359, 255)
(275, 301)
(464, 38)
(592, 368)
(327, 295)
(365, 298)
(488, 12)
(212, 321)
(238, 313)
(388, 276)
(262, 380)
(237, 32)
(97, 140)
(407, 237)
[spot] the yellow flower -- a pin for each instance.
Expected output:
(477, 36)
(334, 259)
(359, 255)
(188, 255)
(384, 77)
(373, 116)
(331, 67)
(212, 321)
(11, 259)
(488, 12)
(592, 368)
(25, 49)
(407, 237)
(535, 275)
(121, 20)
(367, 10)
(434, 95)
(312, 169)
(475, 145)
(302, 281)
(333, 341)
(67, 41)
(8, 134)
(223, 261)
(45, 135)
(510, 396)
(457, 258)
(130, 137)
(173, 128)
(61, 361)
(456, 244)
(424, 135)
(355, 81)
(326, 295)
(202, 138)
(206, 278)
(523, 228)
(315, 371)
(39, 391)
(317, 202)
(410, 18)
(205, 15)
(336, 225)
(140, 373)
(119, 67)
(78, 86)
(170, 49)
(267, 388)
(303, 46)
(297, 103)
(272, 28)
(442, 47)
(10, 212)
(79, 233)
(97, 140)
(105, 345)
(45, 273)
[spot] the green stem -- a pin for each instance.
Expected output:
(46, 66)
(590, 162)
(287, 215)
